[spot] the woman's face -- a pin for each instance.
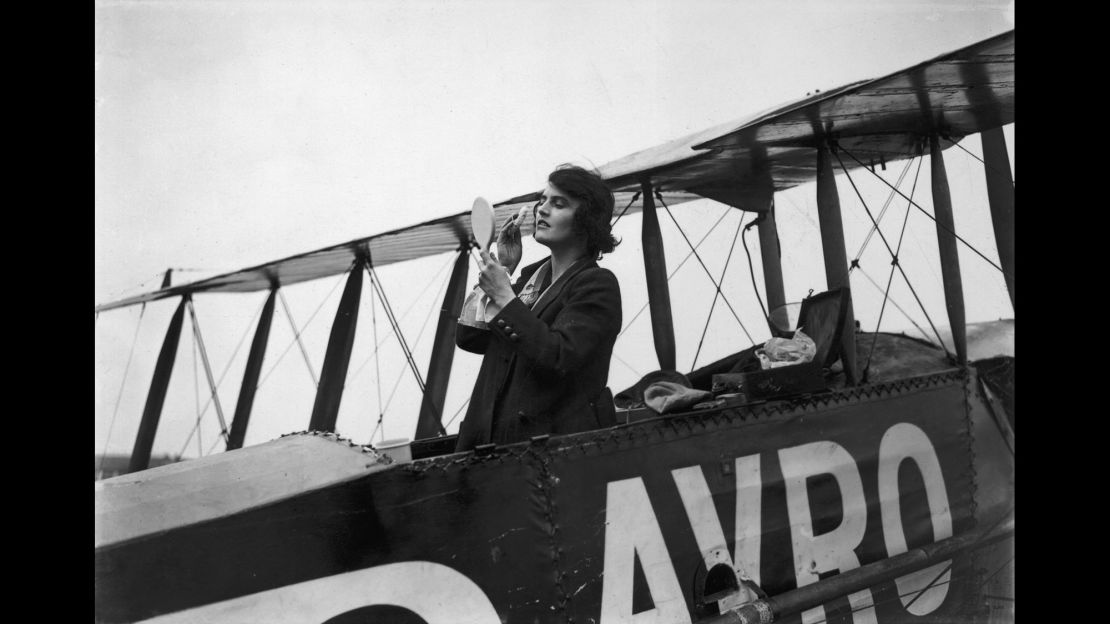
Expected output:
(555, 218)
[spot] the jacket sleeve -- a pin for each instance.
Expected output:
(590, 318)
(471, 339)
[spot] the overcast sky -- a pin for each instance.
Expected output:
(233, 133)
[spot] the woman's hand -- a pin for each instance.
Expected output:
(509, 249)
(494, 281)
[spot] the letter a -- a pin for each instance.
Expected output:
(631, 530)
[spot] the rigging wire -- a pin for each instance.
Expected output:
(712, 305)
(890, 278)
(223, 374)
(119, 396)
(630, 202)
(412, 304)
(894, 303)
(297, 338)
(377, 368)
(457, 412)
(923, 211)
(297, 332)
(396, 327)
(680, 264)
(207, 366)
(886, 204)
(627, 365)
(419, 334)
(751, 271)
(710, 275)
(196, 396)
(377, 346)
(894, 256)
(985, 165)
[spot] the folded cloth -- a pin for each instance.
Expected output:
(667, 396)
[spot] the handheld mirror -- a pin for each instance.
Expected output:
(482, 222)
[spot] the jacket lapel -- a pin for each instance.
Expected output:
(557, 287)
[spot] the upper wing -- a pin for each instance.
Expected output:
(737, 163)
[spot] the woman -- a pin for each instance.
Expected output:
(550, 335)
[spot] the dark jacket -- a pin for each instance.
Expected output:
(545, 367)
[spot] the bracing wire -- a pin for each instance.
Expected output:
(712, 305)
(627, 206)
(223, 374)
(627, 365)
(675, 270)
(377, 369)
(925, 212)
(376, 283)
(894, 303)
(378, 343)
(707, 273)
(119, 396)
(382, 409)
(415, 344)
(207, 367)
(297, 332)
(969, 153)
(456, 415)
(196, 396)
(890, 278)
(893, 255)
(886, 204)
(297, 338)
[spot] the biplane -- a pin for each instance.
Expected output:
(874, 484)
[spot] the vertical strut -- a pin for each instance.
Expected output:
(949, 253)
(771, 255)
(148, 426)
(655, 269)
(836, 256)
(250, 375)
(443, 351)
(333, 375)
(1000, 193)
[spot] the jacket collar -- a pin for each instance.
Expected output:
(556, 287)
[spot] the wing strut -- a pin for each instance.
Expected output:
(333, 375)
(1000, 193)
(949, 252)
(430, 422)
(836, 256)
(148, 426)
(251, 373)
(655, 269)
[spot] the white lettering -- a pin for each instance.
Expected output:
(402, 584)
(631, 530)
(834, 550)
(698, 501)
(900, 442)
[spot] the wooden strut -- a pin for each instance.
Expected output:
(836, 257)
(250, 375)
(1000, 194)
(655, 270)
(794, 601)
(771, 256)
(333, 375)
(156, 397)
(949, 252)
(429, 423)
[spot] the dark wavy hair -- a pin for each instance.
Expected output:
(595, 206)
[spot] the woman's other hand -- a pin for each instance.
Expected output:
(494, 281)
(509, 248)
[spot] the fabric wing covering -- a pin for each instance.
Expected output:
(739, 163)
